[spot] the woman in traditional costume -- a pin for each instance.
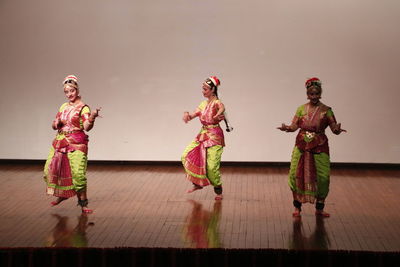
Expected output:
(201, 158)
(309, 173)
(65, 168)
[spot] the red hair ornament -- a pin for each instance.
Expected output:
(313, 81)
(215, 80)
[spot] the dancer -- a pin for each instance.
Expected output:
(201, 159)
(65, 168)
(310, 165)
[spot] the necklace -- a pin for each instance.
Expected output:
(313, 114)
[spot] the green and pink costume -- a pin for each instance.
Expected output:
(201, 158)
(309, 174)
(65, 168)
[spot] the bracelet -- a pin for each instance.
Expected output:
(56, 125)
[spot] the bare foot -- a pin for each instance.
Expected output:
(218, 197)
(58, 201)
(194, 188)
(322, 213)
(296, 212)
(86, 210)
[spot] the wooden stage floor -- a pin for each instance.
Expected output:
(146, 206)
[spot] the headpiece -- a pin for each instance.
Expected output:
(71, 78)
(215, 80)
(313, 82)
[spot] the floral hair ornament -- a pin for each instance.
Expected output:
(71, 78)
(313, 82)
(214, 80)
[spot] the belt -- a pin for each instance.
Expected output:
(211, 126)
(311, 134)
(69, 132)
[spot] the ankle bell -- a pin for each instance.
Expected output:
(83, 202)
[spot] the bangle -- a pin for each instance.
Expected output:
(56, 125)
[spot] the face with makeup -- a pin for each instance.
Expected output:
(71, 92)
(208, 88)
(314, 94)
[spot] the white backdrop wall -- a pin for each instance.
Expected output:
(143, 62)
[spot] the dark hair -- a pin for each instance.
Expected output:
(71, 81)
(212, 86)
(313, 82)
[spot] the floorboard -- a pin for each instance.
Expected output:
(146, 206)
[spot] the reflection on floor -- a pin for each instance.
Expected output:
(318, 239)
(146, 206)
(201, 227)
(63, 235)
